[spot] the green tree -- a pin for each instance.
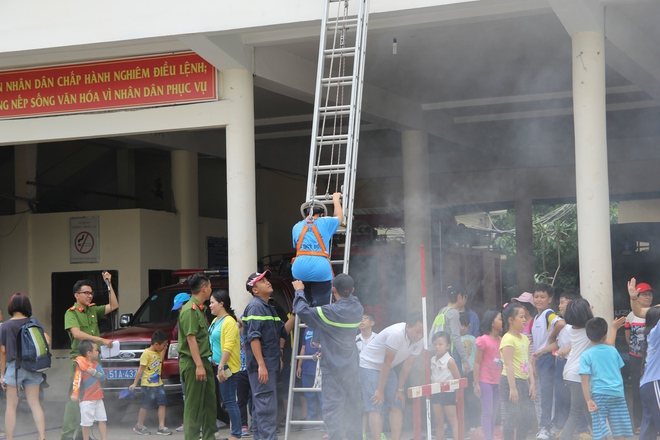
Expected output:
(555, 246)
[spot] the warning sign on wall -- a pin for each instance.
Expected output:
(84, 239)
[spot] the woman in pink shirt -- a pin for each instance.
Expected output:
(488, 369)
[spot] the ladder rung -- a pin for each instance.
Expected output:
(336, 109)
(305, 390)
(305, 356)
(337, 262)
(321, 198)
(327, 85)
(329, 172)
(305, 422)
(334, 112)
(337, 79)
(343, 22)
(346, 51)
(336, 167)
(332, 137)
(332, 142)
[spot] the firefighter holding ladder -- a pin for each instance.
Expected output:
(311, 238)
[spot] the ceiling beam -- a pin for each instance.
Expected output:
(208, 142)
(550, 112)
(223, 52)
(515, 99)
(287, 74)
(632, 52)
(579, 15)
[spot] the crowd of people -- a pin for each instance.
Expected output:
(556, 373)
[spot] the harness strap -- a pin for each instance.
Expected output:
(310, 225)
(312, 253)
(323, 253)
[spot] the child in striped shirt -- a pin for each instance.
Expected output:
(87, 389)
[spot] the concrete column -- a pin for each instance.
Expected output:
(25, 170)
(524, 237)
(126, 177)
(417, 217)
(592, 186)
(241, 184)
(186, 202)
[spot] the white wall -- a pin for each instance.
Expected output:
(33, 246)
(131, 242)
(34, 24)
(637, 211)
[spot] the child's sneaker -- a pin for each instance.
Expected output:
(553, 432)
(245, 432)
(180, 428)
(164, 431)
(142, 430)
(543, 434)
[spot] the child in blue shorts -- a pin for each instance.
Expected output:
(602, 384)
(153, 391)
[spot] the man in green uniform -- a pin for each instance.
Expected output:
(81, 321)
(195, 368)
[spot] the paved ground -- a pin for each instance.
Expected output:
(124, 430)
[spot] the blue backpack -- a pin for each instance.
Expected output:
(32, 351)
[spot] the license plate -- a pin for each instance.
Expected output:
(120, 373)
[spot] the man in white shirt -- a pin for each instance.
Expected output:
(398, 343)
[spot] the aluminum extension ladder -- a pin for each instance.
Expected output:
(335, 137)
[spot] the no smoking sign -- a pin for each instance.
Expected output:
(84, 239)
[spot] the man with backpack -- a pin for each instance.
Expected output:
(448, 320)
(81, 321)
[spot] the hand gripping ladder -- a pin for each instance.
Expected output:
(335, 135)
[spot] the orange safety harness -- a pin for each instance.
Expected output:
(322, 253)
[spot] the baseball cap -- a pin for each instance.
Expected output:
(644, 287)
(524, 297)
(254, 278)
(456, 289)
(180, 299)
(343, 283)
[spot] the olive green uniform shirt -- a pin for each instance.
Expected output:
(87, 320)
(192, 321)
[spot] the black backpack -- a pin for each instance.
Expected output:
(32, 351)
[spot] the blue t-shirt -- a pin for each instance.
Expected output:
(652, 366)
(215, 334)
(603, 363)
(308, 365)
(310, 267)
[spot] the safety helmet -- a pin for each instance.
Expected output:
(313, 206)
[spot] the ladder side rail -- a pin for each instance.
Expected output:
(354, 127)
(292, 377)
(318, 95)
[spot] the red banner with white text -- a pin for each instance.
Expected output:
(107, 85)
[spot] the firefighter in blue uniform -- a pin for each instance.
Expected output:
(336, 325)
(264, 334)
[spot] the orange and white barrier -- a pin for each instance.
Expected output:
(416, 393)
